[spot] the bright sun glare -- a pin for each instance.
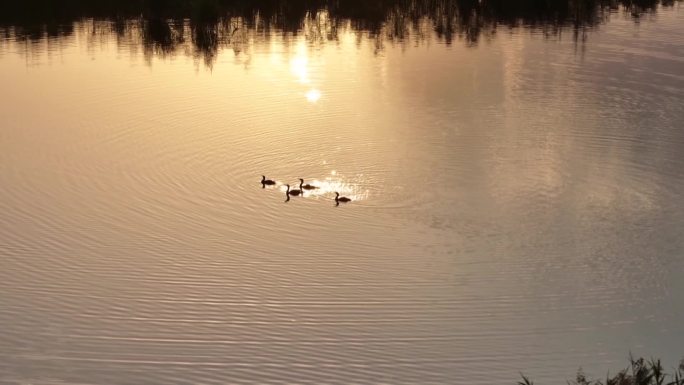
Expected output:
(313, 95)
(299, 68)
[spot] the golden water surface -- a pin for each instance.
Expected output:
(516, 206)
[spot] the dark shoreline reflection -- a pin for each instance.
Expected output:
(202, 27)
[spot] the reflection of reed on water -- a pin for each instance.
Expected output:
(202, 27)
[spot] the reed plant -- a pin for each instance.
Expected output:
(639, 372)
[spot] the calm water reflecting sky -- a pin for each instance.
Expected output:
(515, 177)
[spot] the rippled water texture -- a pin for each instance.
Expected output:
(516, 207)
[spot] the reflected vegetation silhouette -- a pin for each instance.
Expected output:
(202, 27)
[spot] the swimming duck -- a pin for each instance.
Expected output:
(294, 192)
(265, 181)
(306, 186)
(339, 199)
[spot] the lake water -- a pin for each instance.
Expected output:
(516, 204)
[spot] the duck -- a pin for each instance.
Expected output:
(306, 186)
(265, 181)
(294, 192)
(339, 199)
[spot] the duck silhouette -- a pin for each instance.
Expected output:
(339, 199)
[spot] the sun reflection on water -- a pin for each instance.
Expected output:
(327, 187)
(301, 68)
(299, 63)
(313, 95)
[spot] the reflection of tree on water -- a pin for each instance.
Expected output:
(202, 27)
